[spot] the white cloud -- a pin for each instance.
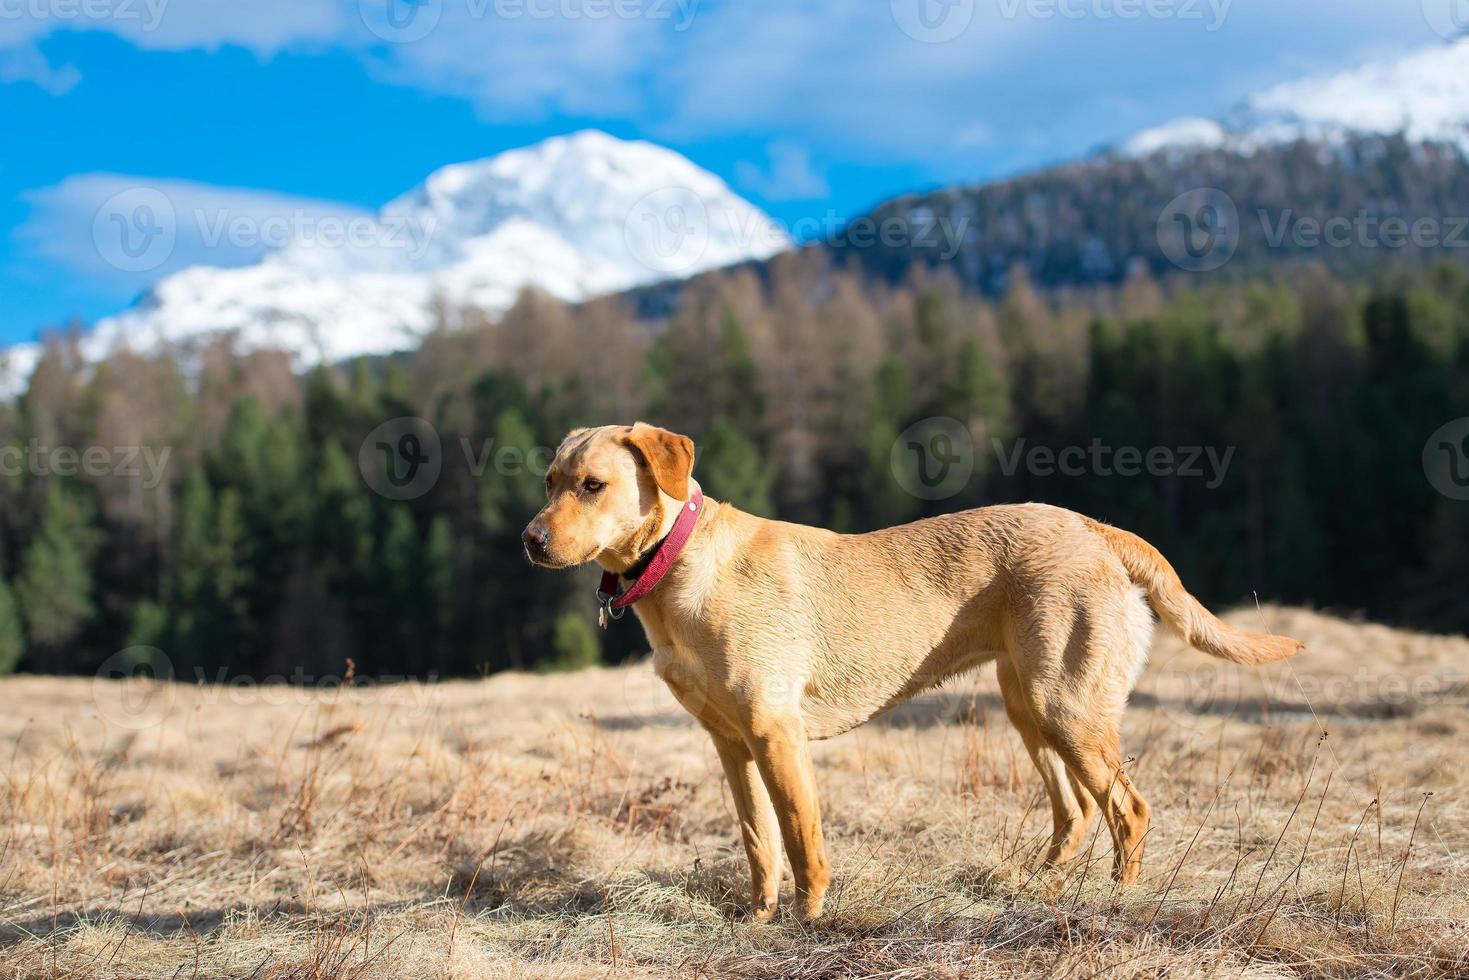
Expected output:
(974, 134)
(26, 63)
(262, 26)
(513, 65)
(856, 77)
(126, 232)
(789, 176)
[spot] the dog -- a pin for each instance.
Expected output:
(773, 634)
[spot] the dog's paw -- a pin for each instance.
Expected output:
(809, 906)
(758, 914)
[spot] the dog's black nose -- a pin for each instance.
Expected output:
(534, 538)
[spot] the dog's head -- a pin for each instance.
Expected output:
(609, 493)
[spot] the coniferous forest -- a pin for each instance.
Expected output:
(249, 520)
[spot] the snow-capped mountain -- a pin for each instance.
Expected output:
(1423, 95)
(577, 216)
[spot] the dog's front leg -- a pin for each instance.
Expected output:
(757, 824)
(781, 753)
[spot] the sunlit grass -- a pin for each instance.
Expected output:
(578, 825)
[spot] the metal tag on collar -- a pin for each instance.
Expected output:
(606, 611)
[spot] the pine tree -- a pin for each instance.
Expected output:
(148, 625)
(192, 563)
(261, 458)
(1438, 595)
(575, 643)
(12, 631)
(879, 498)
(511, 492)
(55, 583)
(975, 393)
(231, 558)
(704, 368)
(440, 583)
(343, 536)
(402, 606)
(204, 612)
(732, 468)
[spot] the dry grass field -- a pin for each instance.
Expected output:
(578, 825)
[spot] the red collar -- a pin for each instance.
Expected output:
(613, 602)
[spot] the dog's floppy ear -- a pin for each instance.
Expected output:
(668, 456)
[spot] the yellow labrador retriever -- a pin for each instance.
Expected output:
(772, 634)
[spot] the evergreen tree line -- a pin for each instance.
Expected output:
(243, 519)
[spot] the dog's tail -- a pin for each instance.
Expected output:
(1179, 609)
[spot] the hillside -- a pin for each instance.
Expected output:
(1357, 206)
(578, 826)
(1358, 170)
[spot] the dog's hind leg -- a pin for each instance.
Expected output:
(758, 824)
(1072, 807)
(1077, 663)
(1094, 754)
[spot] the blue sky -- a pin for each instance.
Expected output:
(812, 110)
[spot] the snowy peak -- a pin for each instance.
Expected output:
(577, 216)
(1187, 133)
(588, 190)
(641, 211)
(564, 178)
(1423, 95)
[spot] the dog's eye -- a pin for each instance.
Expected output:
(593, 486)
